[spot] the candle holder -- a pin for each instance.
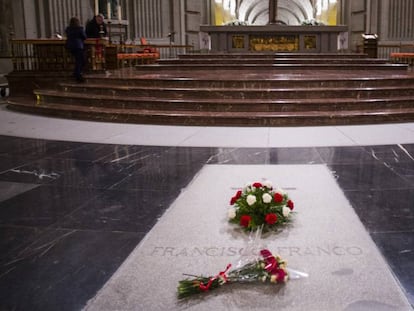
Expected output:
(109, 32)
(101, 31)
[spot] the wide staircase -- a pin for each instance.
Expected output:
(283, 89)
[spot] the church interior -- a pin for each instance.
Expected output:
(117, 186)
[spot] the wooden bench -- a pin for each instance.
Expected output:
(403, 57)
(132, 59)
(148, 55)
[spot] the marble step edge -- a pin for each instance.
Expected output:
(209, 119)
(218, 114)
(214, 95)
(94, 86)
(258, 77)
(259, 82)
(322, 66)
(228, 75)
(224, 101)
(281, 57)
(274, 61)
(272, 54)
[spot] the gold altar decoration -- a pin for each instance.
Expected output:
(237, 42)
(274, 43)
(310, 42)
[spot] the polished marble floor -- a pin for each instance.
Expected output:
(77, 197)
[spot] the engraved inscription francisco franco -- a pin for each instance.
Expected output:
(223, 251)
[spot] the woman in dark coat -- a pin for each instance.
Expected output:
(75, 43)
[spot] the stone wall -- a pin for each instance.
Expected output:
(391, 20)
(399, 20)
(153, 19)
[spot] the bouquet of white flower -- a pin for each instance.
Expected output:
(259, 205)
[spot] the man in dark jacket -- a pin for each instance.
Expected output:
(75, 44)
(96, 27)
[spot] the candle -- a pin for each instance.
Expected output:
(108, 10)
(119, 13)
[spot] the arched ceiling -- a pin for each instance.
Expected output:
(290, 12)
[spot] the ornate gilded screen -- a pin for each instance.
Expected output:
(237, 42)
(309, 42)
(278, 43)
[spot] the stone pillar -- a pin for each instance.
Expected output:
(6, 26)
(272, 11)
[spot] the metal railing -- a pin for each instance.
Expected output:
(385, 49)
(52, 55)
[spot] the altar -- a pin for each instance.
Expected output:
(276, 38)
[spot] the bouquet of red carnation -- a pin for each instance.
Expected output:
(266, 268)
(258, 205)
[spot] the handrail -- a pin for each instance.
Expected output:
(386, 48)
(102, 41)
(52, 55)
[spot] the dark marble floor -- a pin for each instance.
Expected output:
(70, 213)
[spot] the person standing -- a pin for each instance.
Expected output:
(96, 27)
(75, 44)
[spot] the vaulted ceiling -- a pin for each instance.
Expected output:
(290, 12)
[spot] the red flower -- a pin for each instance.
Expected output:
(236, 197)
(270, 261)
(265, 253)
(257, 185)
(278, 197)
(272, 266)
(271, 218)
(280, 275)
(238, 194)
(290, 204)
(245, 220)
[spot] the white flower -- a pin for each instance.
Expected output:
(251, 199)
(264, 278)
(247, 187)
(231, 213)
(267, 198)
(281, 191)
(286, 211)
(273, 278)
(268, 184)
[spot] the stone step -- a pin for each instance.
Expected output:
(226, 105)
(270, 55)
(256, 80)
(234, 93)
(271, 67)
(269, 61)
(216, 118)
(236, 89)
